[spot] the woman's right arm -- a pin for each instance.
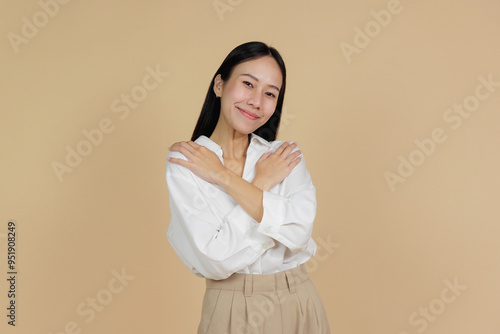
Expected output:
(209, 244)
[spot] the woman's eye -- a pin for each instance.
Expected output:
(248, 83)
(271, 95)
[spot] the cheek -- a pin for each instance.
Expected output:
(268, 108)
(237, 92)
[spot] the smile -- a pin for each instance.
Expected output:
(248, 115)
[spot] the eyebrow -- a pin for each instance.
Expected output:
(253, 77)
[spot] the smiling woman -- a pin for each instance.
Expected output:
(251, 92)
(243, 204)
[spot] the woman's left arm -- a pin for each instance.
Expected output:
(289, 209)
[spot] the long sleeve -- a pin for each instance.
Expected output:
(290, 211)
(212, 235)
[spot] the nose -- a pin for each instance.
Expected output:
(254, 99)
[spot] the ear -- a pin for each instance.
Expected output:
(218, 84)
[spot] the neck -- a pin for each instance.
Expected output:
(233, 143)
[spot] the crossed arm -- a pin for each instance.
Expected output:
(271, 169)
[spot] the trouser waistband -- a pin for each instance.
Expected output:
(250, 283)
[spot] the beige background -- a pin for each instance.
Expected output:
(384, 253)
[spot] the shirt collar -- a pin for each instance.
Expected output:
(213, 146)
(257, 138)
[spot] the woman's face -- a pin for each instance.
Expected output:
(249, 97)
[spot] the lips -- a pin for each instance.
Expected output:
(248, 114)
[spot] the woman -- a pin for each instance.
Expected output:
(243, 204)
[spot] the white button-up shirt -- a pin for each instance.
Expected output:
(214, 237)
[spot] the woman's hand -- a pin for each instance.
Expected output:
(201, 161)
(272, 168)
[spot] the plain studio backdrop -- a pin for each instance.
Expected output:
(395, 105)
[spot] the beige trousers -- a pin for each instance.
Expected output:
(282, 303)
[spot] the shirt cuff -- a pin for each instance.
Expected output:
(249, 228)
(274, 213)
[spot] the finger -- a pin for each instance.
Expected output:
(181, 148)
(193, 144)
(186, 149)
(264, 156)
(293, 155)
(174, 146)
(295, 162)
(289, 148)
(178, 161)
(197, 148)
(282, 147)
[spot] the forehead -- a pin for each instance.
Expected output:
(265, 69)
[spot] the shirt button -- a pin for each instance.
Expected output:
(267, 230)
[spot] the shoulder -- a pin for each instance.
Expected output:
(175, 154)
(277, 143)
(274, 144)
(173, 168)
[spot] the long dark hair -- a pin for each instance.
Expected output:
(210, 111)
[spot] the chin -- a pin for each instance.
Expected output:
(245, 130)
